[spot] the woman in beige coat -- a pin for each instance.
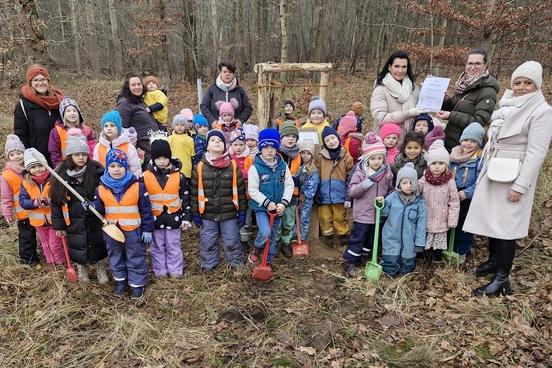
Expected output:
(501, 211)
(395, 97)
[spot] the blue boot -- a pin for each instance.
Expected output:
(120, 288)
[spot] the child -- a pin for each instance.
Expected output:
(270, 188)
(226, 122)
(218, 204)
(371, 179)
(412, 151)
(404, 231)
(390, 133)
(112, 136)
(333, 164)
(188, 114)
(156, 101)
(10, 185)
(289, 151)
(317, 118)
(308, 184)
(441, 199)
(182, 145)
(35, 197)
(424, 124)
(238, 150)
(170, 203)
(125, 203)
(464, 163)
(71, 217)
(350, 138)
(251, 132)
(201, 127)
(71, 118)
(251, 138)
(287, 114)
(358, 110)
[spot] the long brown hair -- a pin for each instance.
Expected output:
(58, 193)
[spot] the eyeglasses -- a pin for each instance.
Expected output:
(43, 80)
(471, 65)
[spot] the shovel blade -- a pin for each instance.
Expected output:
(373, 271)
(300, 249)
(71, 274)
(451, 258)
(114, 232)
(262, 273)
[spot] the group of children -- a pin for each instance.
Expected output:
(225, 179)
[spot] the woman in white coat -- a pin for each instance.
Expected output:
(501, 205)
(395, 96)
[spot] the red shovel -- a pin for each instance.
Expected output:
(263, 272)
(71, 274)
(299, 247)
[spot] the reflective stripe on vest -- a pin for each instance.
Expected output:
(201, 199)
(102, 151)
(14, 180)
(40, 216)
(124, 213)
(166, 197)
(65, 211)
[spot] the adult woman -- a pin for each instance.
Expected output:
(395, 96)
(131, 106)
(226, 89)
(38, 109)
(474, 99)
(501, 210)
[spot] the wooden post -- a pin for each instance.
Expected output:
(324, 77)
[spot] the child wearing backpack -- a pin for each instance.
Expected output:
(308, 184)
(125, 202)
(182, 145)
(350, 138)
(10, 187)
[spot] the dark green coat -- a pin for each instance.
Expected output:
(420, 165)
(476, 104)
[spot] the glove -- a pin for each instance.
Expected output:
(186, 225)
(347, 204)
(147, 237)
(197, 221)
(366, 183)
(241, 218)
(86, 205)
(415, 111)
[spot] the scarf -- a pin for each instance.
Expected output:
(41, 179)
(464, 82)
(18, 169)
(369, 172)
(244, 154)
(399, 90)
(438, 180)
(116, 186)
(253, 151)
(460, 156)
(76, 173)
(219, 162)
(406, 199)
(49, 102)
(515, 101)
(334, 153)
(226, 87)
(290, 152)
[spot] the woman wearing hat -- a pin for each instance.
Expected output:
(37, 110)
(503, 199)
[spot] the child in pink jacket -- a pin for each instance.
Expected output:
(438, 188)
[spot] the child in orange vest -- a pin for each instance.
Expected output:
(10, 186)
(71, 118)
(35, 197)
(125, 203)
(113, 136)
(170, 202)
(350, 138)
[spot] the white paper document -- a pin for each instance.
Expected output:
(432, 93)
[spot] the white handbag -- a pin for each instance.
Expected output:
(503, 170)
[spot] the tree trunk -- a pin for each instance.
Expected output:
(92, 39)
(284, 30)
(115, 39)
(489, 34)
(33, 31)
(75, 34)
(215, 32)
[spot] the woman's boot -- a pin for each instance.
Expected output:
(500, 284)
(489, 266)
(100, 273)
(83, 273)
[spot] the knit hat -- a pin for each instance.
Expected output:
(226, 108)
(76, 142)
(13, 143)
(151, 78)
(114, 117)
(318, 104)
(216, 133)
(34, 70)
(531, 70)
(251, 131)
(29, 160)
(425, 117)
(179, 119)
(358, 108)
(474, 131)
(437, 152)
(118, 156)
(160, 148)
(307, 145)
(408, 171)
(348, 123)
(65, 103)
(269, 137)
(373, 145)
(200, 120)
(327, 132)
(388, 129)
(237, 135)
(289, 101)
(187, 113)
(289, 128)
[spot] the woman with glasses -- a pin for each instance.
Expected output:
(474, 98)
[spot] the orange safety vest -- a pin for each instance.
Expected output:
(14, 181)
(102, 151)
(124, 213)
(63, 135)
(40, 216)
(163, 197)
(294, 167)
(347, 144)
(201, 199)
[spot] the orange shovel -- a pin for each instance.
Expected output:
(263, 272)
(299, 247)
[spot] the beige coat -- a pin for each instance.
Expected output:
(386, 108)
(526, 135)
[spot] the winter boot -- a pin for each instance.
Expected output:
(343, 240)
(350, 270)
(120, 288)
(286, 250)
(100, 273)
(83, 273)
(328, 240)
(137, 293)
(489, 266)
(505, 251)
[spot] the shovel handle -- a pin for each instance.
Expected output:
(297, 227)
(271, 216)
(451, 239)
(379, 206)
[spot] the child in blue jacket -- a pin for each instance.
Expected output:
(404, 232)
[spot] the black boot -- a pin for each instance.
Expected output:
(286, 250)
(489, 266)
(500, 284)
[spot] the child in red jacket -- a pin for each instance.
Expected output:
(350, 138)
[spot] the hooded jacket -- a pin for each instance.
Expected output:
(333, 176)
(209, 107)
